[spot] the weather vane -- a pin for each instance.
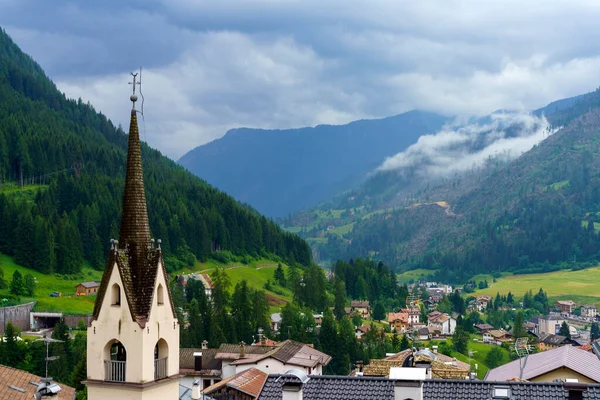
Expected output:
(135, 82)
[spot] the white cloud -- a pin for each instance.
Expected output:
(212, 65)
(457, 148)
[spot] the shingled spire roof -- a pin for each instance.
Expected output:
(135, 230)
(135, 257)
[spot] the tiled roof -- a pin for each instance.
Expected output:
(249, 382)
(398, 316)
(136, 261)
(228, 351)
(187, 361)
(20, 379)
(578, 360)
(480, 390)
(206, 281)
(554, 340)
(484, 327)
(325, 387)
(289, 352)
(368, 388)
(89, 285)
(444, 367)
(588, 346)
(359, 304)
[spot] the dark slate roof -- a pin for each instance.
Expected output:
(366, 388)
(136, 261)
(331, 388)
(554, 340)
(89, 285)
(475, 390)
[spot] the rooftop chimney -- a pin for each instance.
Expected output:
(196, 390)
(359, 368)
(242, 349)
(204, 344)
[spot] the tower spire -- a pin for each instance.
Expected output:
(135, 230)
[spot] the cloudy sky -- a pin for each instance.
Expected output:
(213, 65)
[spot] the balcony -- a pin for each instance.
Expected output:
(160, 368)
(114, 371)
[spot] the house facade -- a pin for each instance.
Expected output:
(362, 307)
(565, 306)
(588, 311)
(398, 321)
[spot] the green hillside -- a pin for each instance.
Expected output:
(62, 167)
(537, 213)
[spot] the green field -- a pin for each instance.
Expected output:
(414, 275)
(256, 273)
(46, 284)
(580, 286)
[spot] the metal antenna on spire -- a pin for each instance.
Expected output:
(522, 349)
(133, 97)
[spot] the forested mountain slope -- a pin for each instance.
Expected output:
(59, 219)
(283, 171)
(538, 212)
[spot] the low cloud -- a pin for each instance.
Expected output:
(460, 147)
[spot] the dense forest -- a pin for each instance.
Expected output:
(61, 185)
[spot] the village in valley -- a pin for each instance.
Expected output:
(258, 228)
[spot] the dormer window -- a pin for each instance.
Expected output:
(116, 295)
(160, 295)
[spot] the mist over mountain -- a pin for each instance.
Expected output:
(499, 210)
(283, 171)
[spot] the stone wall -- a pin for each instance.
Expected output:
(18, 315)
(73, 320)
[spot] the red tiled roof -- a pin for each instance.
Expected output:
(21, 379)
(249, 382)
(398, 316)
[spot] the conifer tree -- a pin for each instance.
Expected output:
(339, 299)
(17, 284)
(241, 312)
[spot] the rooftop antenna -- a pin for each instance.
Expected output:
(522, 349)
(46, 387)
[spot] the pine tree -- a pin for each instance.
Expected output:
(279, 275)
(396, 343)
(460, 339)
(17, 284)
(339, 299)
(404, 343)
(241, 312)
(195, 331)
(328, 338)
(378, 311)
(79, 374)
(564, 330)
(29, 285)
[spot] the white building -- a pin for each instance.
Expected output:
(589, 311)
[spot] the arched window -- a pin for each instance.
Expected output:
(116, 295)
(161, 353)
(115, 361)
(160, 295)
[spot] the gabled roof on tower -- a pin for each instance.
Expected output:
(135, 257)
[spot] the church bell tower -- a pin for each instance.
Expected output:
(133, 340)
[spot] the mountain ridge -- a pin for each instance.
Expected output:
(323, 160)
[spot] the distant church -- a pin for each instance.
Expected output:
(133, 340)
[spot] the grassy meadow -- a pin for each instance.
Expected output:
(580, 286)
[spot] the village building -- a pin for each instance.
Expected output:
(481, 328)
(361, 331)
(414, 315)
(562, 363)
(442, 322)
(496, 336)
(484, 299)
(86, 288)
(565, 306)
(211, 366)
(588, 311)
(549, 324)
(552, 341)
(398, 321)
(133, 339)
(362, 307)
(275, 322)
